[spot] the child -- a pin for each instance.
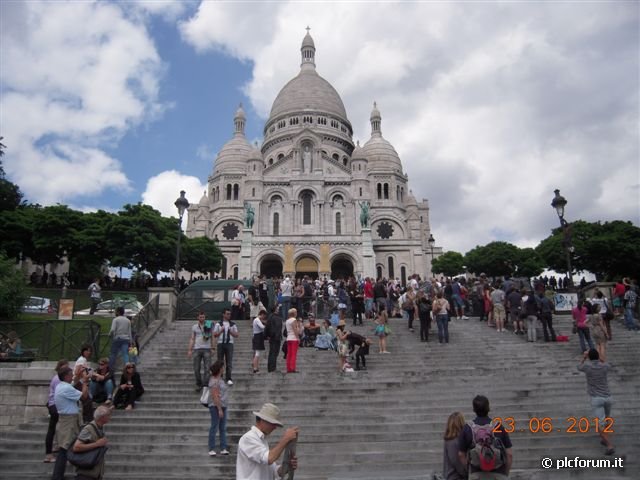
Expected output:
(343, 345)
(382, 330)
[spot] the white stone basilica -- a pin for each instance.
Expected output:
(320, 204)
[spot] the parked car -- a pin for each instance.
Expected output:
(108, 307)
(39, 305)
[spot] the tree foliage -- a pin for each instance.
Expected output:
(529, 263)
(448, 264)
(10, 194)
(609, 250)
(494, 259)
(200, 254)
(141, 238)
(13, 292)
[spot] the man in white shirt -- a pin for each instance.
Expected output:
(255, 460)
(226, 331)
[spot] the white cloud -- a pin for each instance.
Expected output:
(163, 190)
(75, 76)
(491, 105)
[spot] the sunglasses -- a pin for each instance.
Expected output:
(130, 368)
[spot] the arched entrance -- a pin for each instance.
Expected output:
(307, 266)
(271, 266)
(341, 267)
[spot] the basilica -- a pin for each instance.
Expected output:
(310, 201)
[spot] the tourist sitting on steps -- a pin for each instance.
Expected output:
(130, 389)
(452, 467)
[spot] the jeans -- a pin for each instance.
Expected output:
(411, 313)
(201, 356)
(585, 337)
(628, 319)
(119, 346)
(425, 321)
(284, 308)
(443, 327)
(95, 387)
(547, 326)
(220, 424)
(225, 353)
(531, 328)
(274, 350)
(601, 407)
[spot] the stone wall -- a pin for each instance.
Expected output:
(24, 388)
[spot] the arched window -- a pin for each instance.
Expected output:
(345, 161)
(391, 270)
(379, 191)
(360, 191)
(306, 208)
(398, 192)
(235, 272)
(276, 224)
(403, 275)
(254, 167)
(236, 191)
(271, 161)
(338, 224)
(280, 156)
(336, 157)
(253, 192)
(228, 191)
(402, 194)
(379, 271)
(223, 270)
(386, 191)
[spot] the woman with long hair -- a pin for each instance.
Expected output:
(441, 311)
(53, 412)
(382, 330)
(130, 388)
(452, 467)
(218, 393)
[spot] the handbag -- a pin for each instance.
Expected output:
(205, 397)
(89, 458)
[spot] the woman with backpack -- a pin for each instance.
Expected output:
(424, 313)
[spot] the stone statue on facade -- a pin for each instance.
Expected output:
(306, 160)
(364, 214)
(249, 215)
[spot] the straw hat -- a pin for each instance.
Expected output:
(269, 413)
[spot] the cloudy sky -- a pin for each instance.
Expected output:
(491, 105)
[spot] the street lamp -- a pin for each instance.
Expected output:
(432, 242)
(181, 204)
(559, 202)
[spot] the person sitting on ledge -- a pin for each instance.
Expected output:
(130, 389)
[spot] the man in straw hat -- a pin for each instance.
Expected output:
(256, 461)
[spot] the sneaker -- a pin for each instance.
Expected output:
(411, 330)
(224, 452)
(229, 382)
(464, 317)
(458, 318)
(212, 453)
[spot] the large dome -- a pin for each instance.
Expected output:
(308, 91)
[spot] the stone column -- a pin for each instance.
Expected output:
(289, 268)
(244, 265)
(368, 256)
(324, 268)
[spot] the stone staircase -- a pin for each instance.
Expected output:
(383, 423)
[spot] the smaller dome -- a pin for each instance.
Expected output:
(204, 201)
(381, 154)
(375, 113)
(235, 152)
(358, 152)
(255, 154)
(307, 41)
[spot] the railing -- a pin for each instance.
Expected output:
(53, 339)
(141, 321)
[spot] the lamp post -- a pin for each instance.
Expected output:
(432, 242)
(559, 202)
(181, 204)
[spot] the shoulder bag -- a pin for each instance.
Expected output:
(89, 458)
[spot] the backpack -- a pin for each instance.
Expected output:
(488, 452)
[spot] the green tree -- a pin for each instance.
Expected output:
(91, 250)
(200, 254)
(529, 263)
(139, 237)
(495, 259)
(610, 250)
(55, 230)
(10, 194)
(13, 291)
(16, 231)
(448, 264)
